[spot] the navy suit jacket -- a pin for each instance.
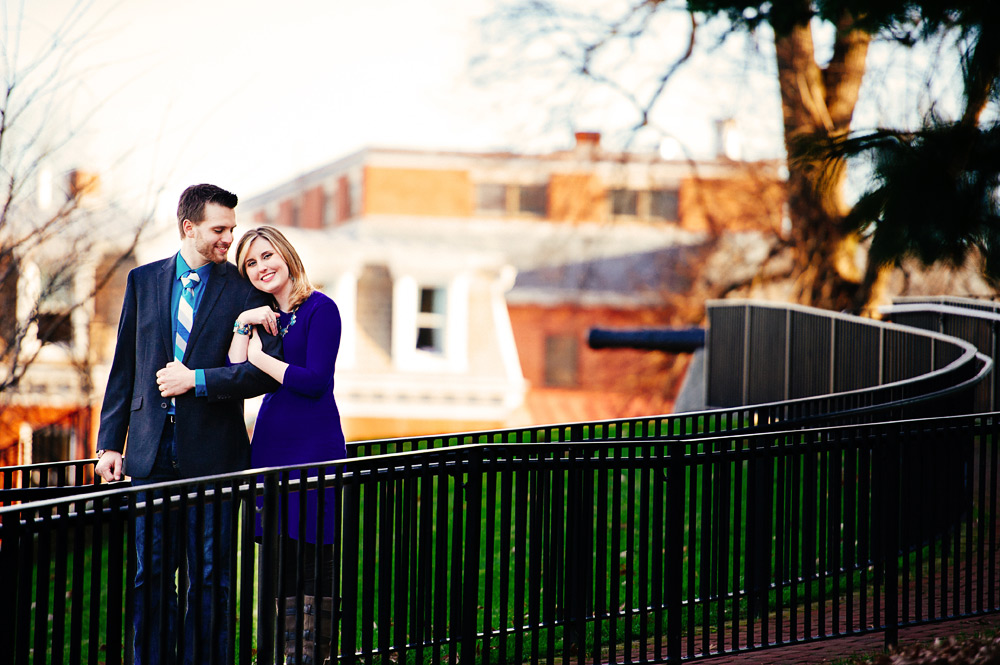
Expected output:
(210, 431)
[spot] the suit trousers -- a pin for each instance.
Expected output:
(198, 544)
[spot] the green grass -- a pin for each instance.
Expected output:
(95, 544)
(617, 572)
(547, 484)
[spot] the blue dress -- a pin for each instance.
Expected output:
(299, 423)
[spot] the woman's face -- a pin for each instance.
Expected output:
(266, 270)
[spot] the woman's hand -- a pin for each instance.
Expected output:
(255, 349)
(262, 316)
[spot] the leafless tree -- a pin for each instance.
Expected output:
(814, 55)
(62, 238)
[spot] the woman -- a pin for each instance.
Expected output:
(299, 423)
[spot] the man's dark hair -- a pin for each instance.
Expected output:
(194, 198)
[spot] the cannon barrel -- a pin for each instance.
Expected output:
(671, 340)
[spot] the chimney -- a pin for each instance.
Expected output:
(587, 144)
(81, 183)
(728, 144)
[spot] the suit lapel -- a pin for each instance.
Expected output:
(216, 284)
(164, 287)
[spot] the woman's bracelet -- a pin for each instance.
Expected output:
(241, 328)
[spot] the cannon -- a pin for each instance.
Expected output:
(670, 340)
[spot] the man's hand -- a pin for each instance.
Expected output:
(109, 466)
(175, 379)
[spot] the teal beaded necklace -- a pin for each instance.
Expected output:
(291, 322)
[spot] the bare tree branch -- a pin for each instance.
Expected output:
(42, 237)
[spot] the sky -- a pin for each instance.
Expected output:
(248, 94)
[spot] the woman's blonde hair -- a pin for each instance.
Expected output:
(301, 287)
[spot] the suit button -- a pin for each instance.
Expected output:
(163, 405)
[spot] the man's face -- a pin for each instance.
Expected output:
(213, 236)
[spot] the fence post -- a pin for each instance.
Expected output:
(788, 358)
(759, 527)
(245, 506)
(579, 553)
(23, 556)
(674, 545)
(890, 451)
(470, 576)
(349, 589)
(117, 544)
(267, 565)
(747, 344)
(9, 536)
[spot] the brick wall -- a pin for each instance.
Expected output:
(399, 191)
(342, 211)
(313, 207)
(614, 370)
(735, 204)
(287, 213)
(576, 197)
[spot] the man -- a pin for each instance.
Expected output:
(177, 406)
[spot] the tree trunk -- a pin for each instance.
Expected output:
(818, 103)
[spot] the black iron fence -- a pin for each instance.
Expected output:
(760, 353)
(973, 321)
(654, 551)
(654, 539)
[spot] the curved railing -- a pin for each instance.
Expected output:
(767, 353)
(917, 370)
(662, 539)
(972, 321)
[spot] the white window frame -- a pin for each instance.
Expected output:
(406, 321)
(346, 297)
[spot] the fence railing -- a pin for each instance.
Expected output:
(655, 551)
(767, 352)
(972, 321)
(654, 539)
(745, 338)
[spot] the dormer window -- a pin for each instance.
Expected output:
(430, 323)
(431, 319)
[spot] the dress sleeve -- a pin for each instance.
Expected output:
(322, 344)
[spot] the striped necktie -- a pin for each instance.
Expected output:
(185, 313)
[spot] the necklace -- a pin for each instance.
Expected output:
(291, 322)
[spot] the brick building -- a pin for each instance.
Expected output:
(59, 296)
(468, 281)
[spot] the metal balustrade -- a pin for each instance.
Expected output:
(658, 539)
(761, 353)
(497, 553)
(972, 321)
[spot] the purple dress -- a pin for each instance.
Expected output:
(299, 423)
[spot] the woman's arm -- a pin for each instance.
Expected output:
(268, 364)
(322, 343)
(238, 347)
(243, 328)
